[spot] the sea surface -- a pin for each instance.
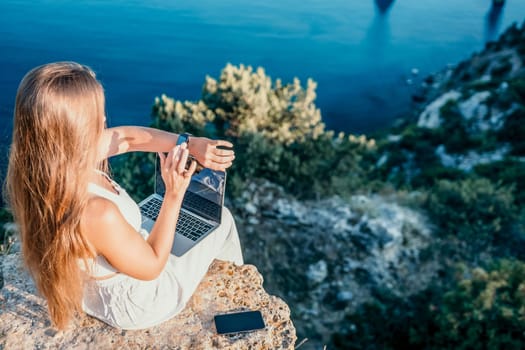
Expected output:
(361, 52)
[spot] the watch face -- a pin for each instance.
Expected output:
(182, 138)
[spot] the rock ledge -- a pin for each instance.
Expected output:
(24, 323)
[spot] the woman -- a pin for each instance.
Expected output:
(80, 232)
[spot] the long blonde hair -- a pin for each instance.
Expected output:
(58, 120)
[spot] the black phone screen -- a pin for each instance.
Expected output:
(239, 322)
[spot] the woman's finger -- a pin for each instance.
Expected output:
(223, 152)
(222, 167)
(213, 159)
(191, 169)
(162, 159)
(181, 166)
(168, 161)
(175, 158)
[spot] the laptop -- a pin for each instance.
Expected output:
(201, 208)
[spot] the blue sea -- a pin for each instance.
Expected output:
(360, 52)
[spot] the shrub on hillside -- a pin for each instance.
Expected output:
(389, 322)
(454, 132)
(513, 131)
(478, 309)
(276, 129)
(136, 173)
(323, 166)
(475, 210)
(412, 162)
(485, 309)
(243, 101)
(508, 172)
(517, 88)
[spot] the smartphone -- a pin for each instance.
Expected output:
(239, 322)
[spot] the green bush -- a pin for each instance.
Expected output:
(508, 172)
(421, 141)
(454, 131)
(277, 133)
(513, 131)
(136, 173)
(475, 210)
(324, 166)
(433, 172)
(412, 162)
(477, 309)
(244, 100)
(486, 309)
(389, 322)
(501, 69)
(517, 88)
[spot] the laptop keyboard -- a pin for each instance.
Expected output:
(191, 227)
(151, 208)
(187, 225)
(191, 200)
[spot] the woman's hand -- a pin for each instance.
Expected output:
(174, 174)
(207, 153)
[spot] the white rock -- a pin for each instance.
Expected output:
(345, 295)
(317, 272)
(430, 117)
(474, 106)
(250, 208)
(468, 161)
(252, 220)
(485, 78)
(473, 158)
(446, 159)
(393, 138)
(497, 118)
(382, 161)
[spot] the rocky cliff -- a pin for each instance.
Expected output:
(327, 257)
(24, 323)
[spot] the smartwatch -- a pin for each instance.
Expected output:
(183, 138)
(186, 138)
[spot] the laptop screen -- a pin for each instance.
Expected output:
(209, 184)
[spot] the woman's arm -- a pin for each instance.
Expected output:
(124, 139)
(114, 238)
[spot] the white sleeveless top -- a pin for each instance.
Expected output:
(123, 301)
(129, 210)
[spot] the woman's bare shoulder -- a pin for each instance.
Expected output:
(100, 217)
(100, 209)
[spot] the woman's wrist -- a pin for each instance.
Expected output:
(184, 137)
(173, 198)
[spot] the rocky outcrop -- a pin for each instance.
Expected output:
(430, 117)
(328, 257)
(468, 161)
(501, 60)
(24, 322)
(467, 116)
